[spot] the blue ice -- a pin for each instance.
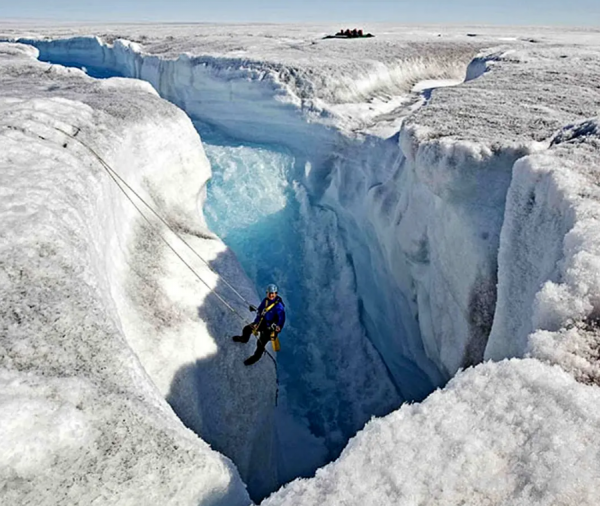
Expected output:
(257, 204)
(90, 70)
(332, 379)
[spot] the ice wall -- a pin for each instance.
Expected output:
(236, 94)
(549, 292)
(162, 308)
(422, 218)
(99, 323)
(449, 212)
(326, 364)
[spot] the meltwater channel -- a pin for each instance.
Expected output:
(332, 379)
(328, 369)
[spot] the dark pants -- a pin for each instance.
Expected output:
(264, 337)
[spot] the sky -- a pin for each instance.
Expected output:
(513, 12)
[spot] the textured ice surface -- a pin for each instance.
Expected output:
(549, 289)
(516, 432)
(83, 416)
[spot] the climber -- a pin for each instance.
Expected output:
(270, 318)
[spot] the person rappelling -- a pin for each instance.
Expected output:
(270, 319)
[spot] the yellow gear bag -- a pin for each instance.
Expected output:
(275, 342)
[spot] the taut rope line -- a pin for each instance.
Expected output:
(118, 181)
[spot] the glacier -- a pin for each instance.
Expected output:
(429, 229)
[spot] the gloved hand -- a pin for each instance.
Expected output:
(252, 308)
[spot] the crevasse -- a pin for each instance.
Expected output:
(388, 272)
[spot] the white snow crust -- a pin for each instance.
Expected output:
(515, 432)
(476, 224)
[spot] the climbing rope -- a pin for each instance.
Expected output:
(122, 184)
(164, 221)
(118, 181)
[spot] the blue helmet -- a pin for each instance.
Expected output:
(272, 288)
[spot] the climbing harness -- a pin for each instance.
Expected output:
(276, 345)
(122, 184)
(262, 317)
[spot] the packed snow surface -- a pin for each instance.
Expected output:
(514, 432)
(430, 200)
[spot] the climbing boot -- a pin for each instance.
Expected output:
(251, 360)
(239, 339)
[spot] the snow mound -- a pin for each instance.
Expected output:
(514, 432)
(482, 63)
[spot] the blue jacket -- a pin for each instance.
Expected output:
(275, 315)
